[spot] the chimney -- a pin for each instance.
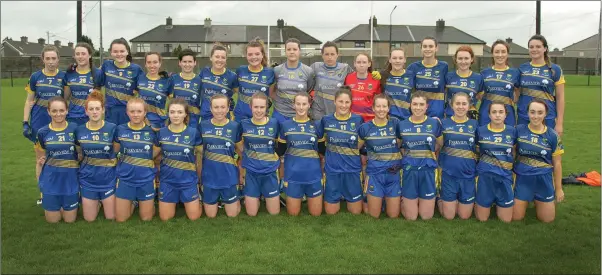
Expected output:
(440, 25)
(41, 41)
(280, 23)
(374, 21)
(57, 43)
(24, 39)
(207, 23)
(509, 40)
(70, 45)
(168, 23)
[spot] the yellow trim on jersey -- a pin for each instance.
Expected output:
(496, 143)
(100, 162)
(219, 158)
(401, 104)
(498, 80)
(397, 74)
(48, 85)
(384, 156)
(258, 71)
(186, 90)
(545, 128)
(460, 153)
(433, 95)
(216, 84)
(176, 144)
(418, 134)
(304, 153)
(257, 136)
(495, 131)
(558, 153)
(119, 77)
(464, 76)
(301, 121)
(494, 97)
(560, 80)
(244, 98)
(252, 82)
(82, 72)
(261, 156)
(537, 94)
(339, 131)
(398, 85)
(342, 150)
(533, 162)
(194, 110)
(218, 74)
(185, 78)
(459, 133)
(59, 129)
(267, 119)
(460, 87)
(138, 161)
(102, 124)
(42, 102)
(299, 133)
(430, 66)
(153, 78)
(418, 122)
(182, 165)
(453, 118)
(120, 67)
(420, 154)
(285, 95)
(377, 137)
(176, 132)
(118, 95)
(324, 95)
(496, 162)
(426, 77)
(55, 73)
(95, 142)
(342, 118)
(534, 144)
(63, 163)
(151, 90)
(218, 137)
(78, 102)
(59, 143)
(135, 129)
(135, 141)
(219, 124)
(500, 70)
(80, 84)
(28, 89)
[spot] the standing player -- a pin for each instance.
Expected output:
(363, 87)
(153, 88)
(186, 85)
(219, 174)
(329, 77)
(254, 78)
(398, 84)
(80, 83)
(298, 143)
(539, 165)
(217, 79)
(97, 172)
(181, 154)
(292, 77)
(259, 158)
(138, 147)
(118, 76)
(463, 80)
(419, 134)
(497, 144)
(458, 161)
(382, 180)
(42, 86)
(500, 84)
(544, 80)
(343, 165)
(430, 76)
(58, 179)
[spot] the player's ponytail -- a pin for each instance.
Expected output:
(258, 43)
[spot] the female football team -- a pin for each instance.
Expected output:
(399, 141)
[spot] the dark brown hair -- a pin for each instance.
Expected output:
(182, 102)
(497, 102)
(540, 101)
(257, 43)
(498, 42)
(329, 44)
(124, 42)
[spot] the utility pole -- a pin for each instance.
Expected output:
(538, 17)
(391, 28)
(79, 21)
(100, 48)
(48, 37)
(599, 42)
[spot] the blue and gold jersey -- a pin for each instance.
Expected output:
(382, 145)
(219, 141)
(213, 83)
(81, 84)
(431, 80)
(471, 84)
(97, 170)
(496, 150)
(399, 88)
(301, 160)
(458, 156)
(119, 82)
(418, 141)
(539, 81)
(44, 87)
(342, 141)
(250, 83)
(498, 85)
(535, 150)
(136, 166)
(189, 90)
(154, 91)
(178, 162)
(260, 139)
(59, 172)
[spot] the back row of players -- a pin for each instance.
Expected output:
(413, 97)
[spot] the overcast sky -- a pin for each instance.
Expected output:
(563, 23)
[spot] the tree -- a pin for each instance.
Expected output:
(87, 39)
(177, 50)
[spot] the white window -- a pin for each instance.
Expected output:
(195, 48)
(395, 45)
(142, 48)
(581, 54)
(360, 44)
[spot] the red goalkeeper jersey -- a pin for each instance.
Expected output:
(362, 93)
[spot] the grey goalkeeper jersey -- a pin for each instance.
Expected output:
(289, 82)
(328, 81)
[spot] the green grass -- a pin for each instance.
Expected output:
(583, 80)
(283, 244)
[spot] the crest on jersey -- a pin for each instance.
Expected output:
(195, 85)
(228, 132)
(470, 129)
(160, 86)
(508, 138)
(436, 73)
(370, 86)
(129, 73)
(300, 74)
(146, 136)
(70, 136)
(352, 126)
(187, 139)
(418, 130)
(264, 79)
(406, 80)
(472, 84)
(105, 136)
(546, 73)
(544, 140)
(270, 131)
(508, 77)
(224, 81)
(429, 128)
(391, 131)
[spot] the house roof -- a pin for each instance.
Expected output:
(223, 33)
(585, 44)
(515, 49)
(33, 48)
(408, 33)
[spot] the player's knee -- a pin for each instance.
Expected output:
(546, 218)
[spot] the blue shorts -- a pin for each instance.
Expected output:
(127, 192)
(78, 120)
(384, 185)
(537, 187)
(494, 188)
(168, 193)
(551, 123)
(457, 189)
(346, 186)
(265, 185)
(97, 196)
(116, 114)
(225, 195)
(419, 183)
(56, 202)
(296, 190)
(280, 117)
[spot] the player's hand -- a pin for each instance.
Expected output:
(41, 160)
(559, 196)
(376, 75)
(559, 129)
(27, 130)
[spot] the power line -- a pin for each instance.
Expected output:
(88, 13)
(529, 25)
(70, 28)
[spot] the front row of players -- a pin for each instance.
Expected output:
(472, 164)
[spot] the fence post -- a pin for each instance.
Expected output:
(589, 76)
(11, 79)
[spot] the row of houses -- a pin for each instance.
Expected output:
(166, 37)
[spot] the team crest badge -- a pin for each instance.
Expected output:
(195, 85)
(228, 132)
(160, 86)
(429, 128)
(271, 131)
(225, 81)
(264, 79)
(508, 77)
(129, 73)
(508, 138)
(369, 86)
(300, 74)
(472, 85)
(436, 73)
(544, 140)
(70, 136)
(406, 80)
(187, 139)
(352, 126)
(470, 128)
(105, 136)
(146, 136)
(391, 132)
